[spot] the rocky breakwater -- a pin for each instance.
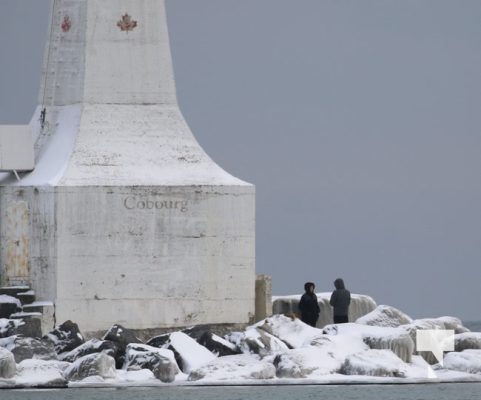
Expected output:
(379, 347)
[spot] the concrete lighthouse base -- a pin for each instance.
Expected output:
(134, 244)
(124, 218)
(154, 256)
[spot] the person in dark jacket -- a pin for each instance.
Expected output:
(340, 300)
(308, 305)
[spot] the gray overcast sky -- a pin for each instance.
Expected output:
(359, 122)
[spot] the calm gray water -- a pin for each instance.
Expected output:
(450, 391)
(475, 326)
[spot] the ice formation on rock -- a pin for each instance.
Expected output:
(385, 316)
(234, 368)
(374, 363)
(466, 361)
(360, 305)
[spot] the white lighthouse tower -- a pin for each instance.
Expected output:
(124, 218)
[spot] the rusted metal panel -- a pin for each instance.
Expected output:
(17, 262)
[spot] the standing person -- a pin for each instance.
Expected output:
(340, 300)
(308, 305)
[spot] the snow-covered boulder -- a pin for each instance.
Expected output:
(421, 324)
(385, 316)
(211, 341)
(65, 337)
(465, 361)
(379, 338)
(303, 362)
(9, 305)
(232, 368)
(325, 355)
(122, 337)
(90, 347)
(98, 364)
(256, 341)
(467, 340)
(288, 366)
(398, 342)
(159, 341)
(24, 348)
(453, 323)
(7, 364)
(160, 361)
(189, 354)
(132, 377)
(35, 373)
(292, 331)
(374, 363)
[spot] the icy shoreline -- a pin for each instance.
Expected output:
(379, 348)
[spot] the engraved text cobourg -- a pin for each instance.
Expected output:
(139, 203)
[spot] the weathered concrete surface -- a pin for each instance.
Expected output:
(125, 219)
(263, 297)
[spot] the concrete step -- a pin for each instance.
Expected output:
(32, 323)
(14, 290)
(25, 315)
(27, 297)
(9, 305)
(47, 311)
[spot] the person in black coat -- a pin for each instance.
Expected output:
(340, 300)
(308, 305)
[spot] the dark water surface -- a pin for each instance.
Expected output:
(438, 391)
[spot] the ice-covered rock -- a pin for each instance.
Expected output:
(41, 373)
(467, 340)
(305, 361)
(289, 367)
(189, 354)
(379, 338)
(257, 341)
(292, 331)
(374, 363)
(8, 327)
(24, 348)
(451, 323)
(211, 341)
(454, 324)
(7, 364)
(424, 323)
(97, 364)
(145, 376)
(324, 356)
(465, 361)
(360, 305)
(232, 368)
(90, 347)
(385, 316)
(160, 361)
(65, 337)
(399, 343)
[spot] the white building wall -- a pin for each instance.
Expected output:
(155, 256)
